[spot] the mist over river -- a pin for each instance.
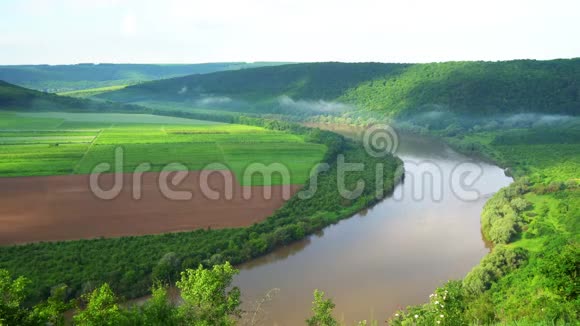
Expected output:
(384, 258)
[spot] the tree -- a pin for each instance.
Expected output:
(166, 267)
(158, 310)
(52, 310)
(12, 294)
(520, 204)
(206, 301)
(477, 281)
(322, 309)
(502, 230)
(102, 309)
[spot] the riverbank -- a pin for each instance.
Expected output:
(530, 275)
(396, 251)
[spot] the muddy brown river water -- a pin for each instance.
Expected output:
(386, 257)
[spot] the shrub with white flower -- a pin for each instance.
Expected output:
(445, 307)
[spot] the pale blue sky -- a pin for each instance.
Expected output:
(181, 31)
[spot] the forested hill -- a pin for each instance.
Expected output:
(58, 78)
(393, 89)
(476, 87)
(18, 98)
(314, 81)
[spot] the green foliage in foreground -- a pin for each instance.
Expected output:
(207, 301)
(206, 298)
(130, 264)
(322, 311)
(531, 275)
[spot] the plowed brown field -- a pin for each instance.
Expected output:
(57, 208)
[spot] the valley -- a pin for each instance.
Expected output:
(297, 128)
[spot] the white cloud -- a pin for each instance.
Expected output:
(288, 30)
(129, 25)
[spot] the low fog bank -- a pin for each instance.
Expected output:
(442, 119)
(279, 105)
(446, 123)
(315, 107)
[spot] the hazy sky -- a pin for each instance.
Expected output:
(181, 31)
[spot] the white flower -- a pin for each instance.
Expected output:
(438, 322)
(441, 316)
(396, 315)
(416, 316)
(436, 302)
(442, 306)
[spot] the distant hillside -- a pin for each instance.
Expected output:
(313, 81)
(392, 89)
(18, 98)
(475, 87)
(61, 78)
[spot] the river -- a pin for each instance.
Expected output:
(384, 258)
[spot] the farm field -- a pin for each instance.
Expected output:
(57, 143)
(46, 159)
(66, 209)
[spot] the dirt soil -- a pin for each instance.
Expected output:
(55, 208)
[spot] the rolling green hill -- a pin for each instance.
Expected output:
(479, 88)
(311, 81)
(475, 87)
(61, 78)
(16, 98)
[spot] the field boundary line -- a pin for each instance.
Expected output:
(219, 146)
(75, 168)
(60, 124)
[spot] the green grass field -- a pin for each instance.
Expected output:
(548, 162)
(88, 92)
(56, 143)
(544, 160)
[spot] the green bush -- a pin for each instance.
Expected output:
(500, 261)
